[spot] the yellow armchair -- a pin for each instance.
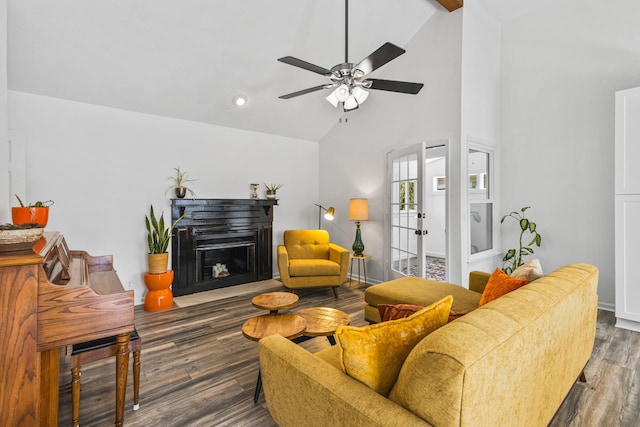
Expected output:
(308, 260)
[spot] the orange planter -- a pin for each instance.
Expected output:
(26, 215)
(159, 296)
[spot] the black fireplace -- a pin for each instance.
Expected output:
(220, 243)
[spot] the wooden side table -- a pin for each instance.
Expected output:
(361, 260)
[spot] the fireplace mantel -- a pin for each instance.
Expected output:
(234, 233)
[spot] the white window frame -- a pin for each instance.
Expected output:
(490, 199)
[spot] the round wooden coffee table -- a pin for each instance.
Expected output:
(288, 325)
(323, 321)
(274, 301)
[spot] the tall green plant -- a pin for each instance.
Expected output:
(157, 235)
(513, 257)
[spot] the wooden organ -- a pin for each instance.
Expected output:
(51, 297)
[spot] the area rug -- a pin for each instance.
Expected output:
(231, 291)
(435, 269)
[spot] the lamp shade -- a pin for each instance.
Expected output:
(360, 94)
(342, 92)
(332, 99)
(350, 103)
(358, 210)
(330, 213)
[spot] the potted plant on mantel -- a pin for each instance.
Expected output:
(34, 213)
(181, 184)
(271, 190)
(158, 279)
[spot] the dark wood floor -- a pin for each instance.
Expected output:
(198, 370)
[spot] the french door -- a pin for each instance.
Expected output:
(409, 219)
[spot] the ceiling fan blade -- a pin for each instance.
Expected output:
(305, 65)
(385, 53)
(395, 86)
(302, 92)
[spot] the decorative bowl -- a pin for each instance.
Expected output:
(18, 238)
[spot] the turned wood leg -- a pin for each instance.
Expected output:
(136, 380)
(122, 367)
(75, 395)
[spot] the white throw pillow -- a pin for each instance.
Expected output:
(531, 270)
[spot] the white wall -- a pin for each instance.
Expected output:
(353, 154)
(480, 122)
(103, 167)
(4, 144)
(561, 67)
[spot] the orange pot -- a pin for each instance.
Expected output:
(26, 215)
(159, 296)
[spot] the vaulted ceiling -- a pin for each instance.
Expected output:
(188, 59)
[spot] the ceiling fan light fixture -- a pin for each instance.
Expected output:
(350, 103)
(360, 94)
(332, 99)
(342, 92)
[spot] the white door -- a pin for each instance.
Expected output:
(406, 223)
(627, 208)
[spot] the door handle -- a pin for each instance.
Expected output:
(421, 232)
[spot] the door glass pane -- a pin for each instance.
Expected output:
(403, 203)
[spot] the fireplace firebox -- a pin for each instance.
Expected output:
(220, 243)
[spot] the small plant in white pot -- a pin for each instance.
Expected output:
(271, 190)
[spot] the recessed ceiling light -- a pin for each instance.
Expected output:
(240, 100)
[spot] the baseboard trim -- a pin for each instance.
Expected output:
(606, 306)
(627, 324)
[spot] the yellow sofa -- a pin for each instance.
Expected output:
(508, 363)
(308, 260)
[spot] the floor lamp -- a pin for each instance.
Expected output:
(358, 211)
(330, 212)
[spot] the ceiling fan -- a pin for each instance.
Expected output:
(348, 80)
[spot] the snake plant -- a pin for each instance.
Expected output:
(157, 234)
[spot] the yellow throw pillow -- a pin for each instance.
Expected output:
(374, 354)
(500, 283)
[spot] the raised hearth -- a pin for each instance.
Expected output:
(220, 243)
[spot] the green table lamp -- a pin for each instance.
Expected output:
(358, 211)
